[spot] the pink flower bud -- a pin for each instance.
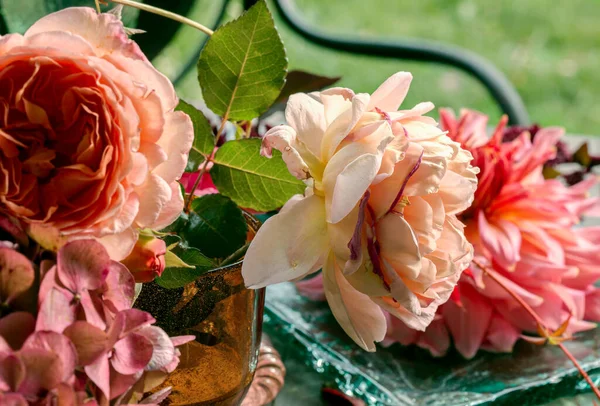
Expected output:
(147, 260)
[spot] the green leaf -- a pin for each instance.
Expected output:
(216, 226)
(173, 261)
(176, 277)
(299, 81)
(176, 225)
(251, 180)
(204, 140)
(582, 156)
(242, 67)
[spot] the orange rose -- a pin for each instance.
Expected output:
(90, 144)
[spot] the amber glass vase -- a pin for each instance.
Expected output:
(226, 318)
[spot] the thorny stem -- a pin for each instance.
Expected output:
(540, 322)
(164, 13)
(197, 182)
(205, 166)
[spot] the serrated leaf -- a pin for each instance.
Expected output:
(216, 226)
(299, 81)
(251, 180)
(204, 140)
(176, 277)
(242, 67)
(173, 261)
(176, 225)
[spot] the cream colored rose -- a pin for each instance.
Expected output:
(379, 213)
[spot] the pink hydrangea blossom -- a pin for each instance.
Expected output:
(87, 340)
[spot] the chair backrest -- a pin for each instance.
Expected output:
(155, 40)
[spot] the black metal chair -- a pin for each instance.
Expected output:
(495, 81)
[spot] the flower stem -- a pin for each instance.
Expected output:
(540, 322)
(165, 13)
(188, 203)
(205, 166)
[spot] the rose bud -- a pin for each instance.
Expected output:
(147, 260)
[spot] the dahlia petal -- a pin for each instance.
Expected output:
(312, 288)
(468, 325)
(501, 335)
(502, 239)
(436, 338)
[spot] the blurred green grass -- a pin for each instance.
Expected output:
(548, 50)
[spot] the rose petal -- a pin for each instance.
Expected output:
(119, 245)
(360, 318)
(104, 32)
(173, 208)
(391, 93)
(176, 141)
(307, 116)
(294, 241)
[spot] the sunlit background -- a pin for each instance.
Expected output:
(548, 50)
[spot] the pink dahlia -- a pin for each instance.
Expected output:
(523, 227)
